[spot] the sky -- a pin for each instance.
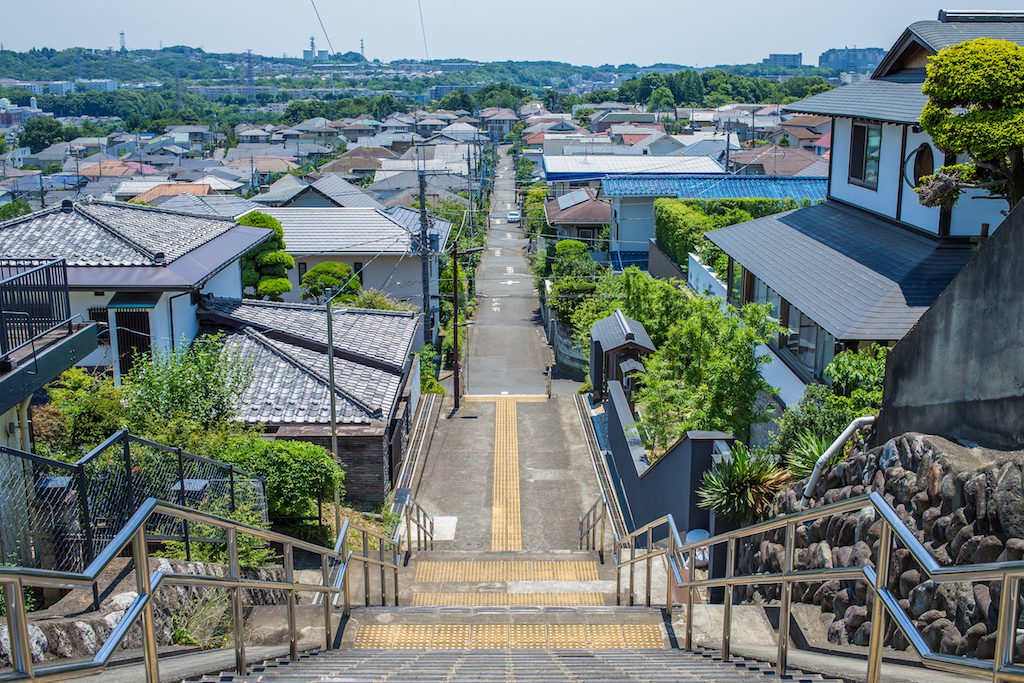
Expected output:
(577, 31)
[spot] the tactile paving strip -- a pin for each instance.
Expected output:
(509, 637)
(507, 599)
(506, 518)
(489, 571)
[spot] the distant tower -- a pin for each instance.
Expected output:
(123, 48)
(362, 48)
(312, 44)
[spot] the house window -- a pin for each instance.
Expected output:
(302, 269)
(736, 273)
(586, 235)
(807, 343)
(865, 149)
(358, 268)
(924, 163)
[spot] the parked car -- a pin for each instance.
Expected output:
(513, 217)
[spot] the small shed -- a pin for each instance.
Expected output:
(617, 347)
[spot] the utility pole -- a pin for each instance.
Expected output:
(428, 323)
(456, 385)
(728, 144)
(334, 404)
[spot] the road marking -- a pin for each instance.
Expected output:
(506, 519)
(508, 235)
(510, 282)
(509, 637)
(491, 571)
(475, 599)
(497, 252)
(510, 270)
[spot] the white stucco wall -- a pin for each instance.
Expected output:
(883, 199)
(398, 277)
(632, 223)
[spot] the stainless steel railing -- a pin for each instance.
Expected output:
(593, 526)
(133, 536)
(418, 525)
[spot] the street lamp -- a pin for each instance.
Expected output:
(334, 401)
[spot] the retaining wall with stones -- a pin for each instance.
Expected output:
(966, 506)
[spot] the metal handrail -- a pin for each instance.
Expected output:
(14, 579)
(416, 518)
(886, 603)
(593, 524)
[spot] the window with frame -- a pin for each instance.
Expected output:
(865, 150)
(735, 293)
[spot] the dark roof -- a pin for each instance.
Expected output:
(897, 99)
(716, 187)
(223, 205)
(617, 331)
(628, 365)
(857, 275)
(344, 193)
(941, 34)
(381, 339)
(578, 208)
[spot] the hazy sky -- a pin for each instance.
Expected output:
(577, 31)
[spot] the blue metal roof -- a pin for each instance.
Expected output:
(711, 186)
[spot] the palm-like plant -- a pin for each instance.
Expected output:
(744, 487)
(805, 453)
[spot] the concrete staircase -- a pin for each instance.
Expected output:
(508, 617)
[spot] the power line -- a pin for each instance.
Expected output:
(423, 29)
(324, 28)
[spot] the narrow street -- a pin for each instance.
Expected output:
(511, 470)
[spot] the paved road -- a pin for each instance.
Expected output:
(507, 352)
(507, 355)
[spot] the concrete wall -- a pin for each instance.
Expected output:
(660, 265)
(960, 372)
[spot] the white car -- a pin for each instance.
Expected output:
(513, 217)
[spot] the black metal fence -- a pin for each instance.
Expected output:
(59, 515)
(34, 300)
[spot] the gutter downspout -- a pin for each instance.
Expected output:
(812, 481)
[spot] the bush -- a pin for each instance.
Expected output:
(83, 410)
(804, 454)
(743, 488)
(428, 372)
(328, 278)
(264, 267)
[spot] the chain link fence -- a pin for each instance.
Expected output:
(58, 515)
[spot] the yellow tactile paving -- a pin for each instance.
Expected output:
(506, 517)
(506, 599)
(509, 637)
(489, 571)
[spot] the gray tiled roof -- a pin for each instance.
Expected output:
(108, 234)
(896, 99)
(939, 34)
(410, 220)
(223, 205)
(290, 384)
(337, 230)
(345, 193)
(857, 275)
(383, 338)
(611, 332)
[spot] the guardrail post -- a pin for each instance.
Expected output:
(690, 575)
(730, 563)
(237, 618)
(90, 542)
(181, 502)
(231, 485)
(366, 571)
(618, 575)
(1006, 631)
(632, 556)
(431, 519)
(877, 607)
(347, 596)
(604, 514)
(289, 577)
(408, 532)
(140, 557)
(669, 578)
(17, 629)
(126, 455)
(383, 573)
(647, 594)
(579, 528)
(325, 570)
(787, 599)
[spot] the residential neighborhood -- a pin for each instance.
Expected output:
(363, 365)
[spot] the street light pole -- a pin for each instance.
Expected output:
(334, 404)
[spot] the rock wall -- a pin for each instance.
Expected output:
(966, 506)
(53, 635)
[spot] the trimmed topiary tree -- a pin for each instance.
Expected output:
(265, 268)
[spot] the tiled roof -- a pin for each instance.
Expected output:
(172, 190)
(344, 193)
(598, 165)
(896, 99)
(290, 384)
(617, 330)
(337, 230)
(381, 339)
(223, 205)
(857, 275)
(716, 187)
(589, 211)
(108, 234)
(941, 34)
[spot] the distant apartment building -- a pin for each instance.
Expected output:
(39, 87)
(436, 92)
(784, 59)
(98, 84)
(16, 115)
(851, 58)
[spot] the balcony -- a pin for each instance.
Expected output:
(39, 337)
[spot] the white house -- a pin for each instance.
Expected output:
(138, 271)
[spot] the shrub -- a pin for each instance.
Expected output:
(264, 267)
(84, 409)
(742, 488)
(327, 278)
(428, 372)
(804, 454)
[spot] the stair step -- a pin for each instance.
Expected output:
(477, 599)
(508, 636)
(477, 571)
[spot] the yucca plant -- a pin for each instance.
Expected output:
(744, 487)
(805, 453)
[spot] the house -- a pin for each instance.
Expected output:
(567, 172)
(462, 132)
(86, 146)
(381, 246)
(331, 190)
(223, 205)
(376, 382)
(803, 131)
(579, 215)
(866, 264)
(54, 155)
(632, 198)
(193, 138)
(617, 347)
(158, 193)
(40, 338)
(499, 123)
(138, 271)
(772, 160)
(358, 163)
(430, 125)
(600, 122)
(254, 136)
(391, 188)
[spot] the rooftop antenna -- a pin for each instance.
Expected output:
(312, 45)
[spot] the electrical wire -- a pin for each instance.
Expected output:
(313, 2)
(423, 29)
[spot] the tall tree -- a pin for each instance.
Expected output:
(40, 133)
(976, 108)
(265, 268)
